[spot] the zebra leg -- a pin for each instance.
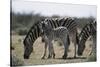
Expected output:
(53, 55)
(50, 48)
(75, 49)
(45, 48)
(65, 50)
(75, 42)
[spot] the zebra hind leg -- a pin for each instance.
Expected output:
(64, 56)
(65, 50)
(75, 42)
(74, 50)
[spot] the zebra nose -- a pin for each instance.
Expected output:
(26, 57)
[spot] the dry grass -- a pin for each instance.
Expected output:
(35, 58)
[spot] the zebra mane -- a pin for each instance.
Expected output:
(30, 30)
(88, 28)
(35, 24)
(82, 30)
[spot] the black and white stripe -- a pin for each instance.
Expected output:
(30, 38)
(69, 23)
(59, 33)
(88, 30)
(35, 32)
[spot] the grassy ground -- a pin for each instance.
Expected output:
(35, 58)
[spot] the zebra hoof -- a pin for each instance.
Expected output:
(49, 57)
(64, 57)
(54, 56)
(42, 58)
(74, 56)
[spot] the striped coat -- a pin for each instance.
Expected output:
(60, 33)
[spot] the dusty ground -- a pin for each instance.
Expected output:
(35, 58)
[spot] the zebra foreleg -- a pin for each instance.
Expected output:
(76, 41)
(53, 53)
(50, 50)
(45, 51)
(45, 48)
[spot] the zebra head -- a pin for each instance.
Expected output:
(81, 46)
(27, 49)
(46, 25)
(30, 38)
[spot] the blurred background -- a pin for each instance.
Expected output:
(25, 13)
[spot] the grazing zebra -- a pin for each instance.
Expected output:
(88, 30)
(30, 38)
(69, 23)
(60, 33)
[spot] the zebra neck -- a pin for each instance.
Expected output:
(84, 39)
(47, 32)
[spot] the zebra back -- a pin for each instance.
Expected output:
(67, 22)
(70, 24)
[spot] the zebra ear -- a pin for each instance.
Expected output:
(94, 22)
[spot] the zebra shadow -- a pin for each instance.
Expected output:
(71, 58)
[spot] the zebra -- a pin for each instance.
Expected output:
(59, 33)
(88, 30)
(30, 38)
(35, 32)
(67, 22)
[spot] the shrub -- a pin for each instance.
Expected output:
(22, 32)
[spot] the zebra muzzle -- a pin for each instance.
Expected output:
(26, 57)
